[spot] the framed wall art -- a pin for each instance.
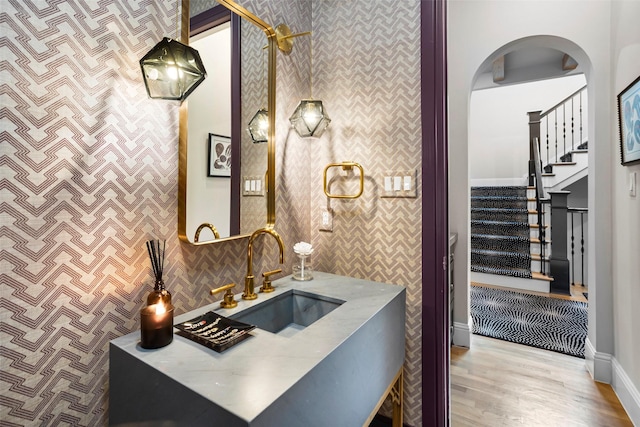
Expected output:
(629, 121)
(219, 156)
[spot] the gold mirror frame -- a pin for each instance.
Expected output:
(272, 46)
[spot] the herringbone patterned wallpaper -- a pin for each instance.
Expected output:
(367, 72)
(89, 173)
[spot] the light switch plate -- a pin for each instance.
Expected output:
(326, 220)
(399, 183)
(252, 186)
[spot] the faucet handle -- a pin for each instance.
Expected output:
(227, 300)
(266, 285)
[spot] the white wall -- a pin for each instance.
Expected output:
(625, 37)
(208, 198)
(499, 124)
(476, 30)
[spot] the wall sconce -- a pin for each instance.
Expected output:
(259, 127)
(259, 124)
(172, 70)
(310, 118)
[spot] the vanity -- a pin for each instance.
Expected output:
(324, 352)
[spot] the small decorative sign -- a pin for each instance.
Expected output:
(629, 120)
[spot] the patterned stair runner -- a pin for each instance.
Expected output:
(500, 233)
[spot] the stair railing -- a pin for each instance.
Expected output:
(561, 120)
(536, 181)
(577, 221)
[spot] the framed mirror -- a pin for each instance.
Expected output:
(222, 198)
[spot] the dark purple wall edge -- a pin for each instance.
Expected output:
(435, 226)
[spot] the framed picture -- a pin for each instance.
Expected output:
(629, 119)
(219, 155)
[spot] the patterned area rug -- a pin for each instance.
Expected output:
(537, 321)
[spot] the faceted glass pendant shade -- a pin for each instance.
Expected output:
(310, 118)
(259, 127)
(172, 70)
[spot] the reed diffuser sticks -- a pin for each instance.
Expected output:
(156, 254)
(157, 250)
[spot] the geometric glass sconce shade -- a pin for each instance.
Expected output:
(310, 118)
(259, 127)
(172, 70)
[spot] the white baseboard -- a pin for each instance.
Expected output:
(461, 334)
(598, 364)
(510, 282)
(627, 392)
(589, 356)
(499, 182)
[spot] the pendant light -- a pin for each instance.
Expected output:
(310, 118)
(172, 70)
(259, 124)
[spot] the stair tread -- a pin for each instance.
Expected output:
(492, 252)
(498, 236)
(500, 209)
(536, 240)
(564, 164)
(513, 272)
(537, 226)
(540, 276)
(537, 257)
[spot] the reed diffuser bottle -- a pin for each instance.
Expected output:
(156, 254)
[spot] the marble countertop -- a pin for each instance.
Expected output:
(248, 377)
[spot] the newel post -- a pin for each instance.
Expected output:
(534, 134)
(559, 261)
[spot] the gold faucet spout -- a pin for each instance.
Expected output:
(202, 226)
(249, 293)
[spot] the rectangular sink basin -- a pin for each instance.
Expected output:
(288, 313)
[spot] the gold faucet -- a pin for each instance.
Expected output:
(202, 226)
(249, 293)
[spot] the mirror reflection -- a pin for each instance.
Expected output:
(225, 198)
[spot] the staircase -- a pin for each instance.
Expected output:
(572, 167)
(504, 249)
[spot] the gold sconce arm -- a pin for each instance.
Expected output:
(347, 166)
(227, 300)
(285, 38)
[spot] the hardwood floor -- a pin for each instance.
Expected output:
(498, 383)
